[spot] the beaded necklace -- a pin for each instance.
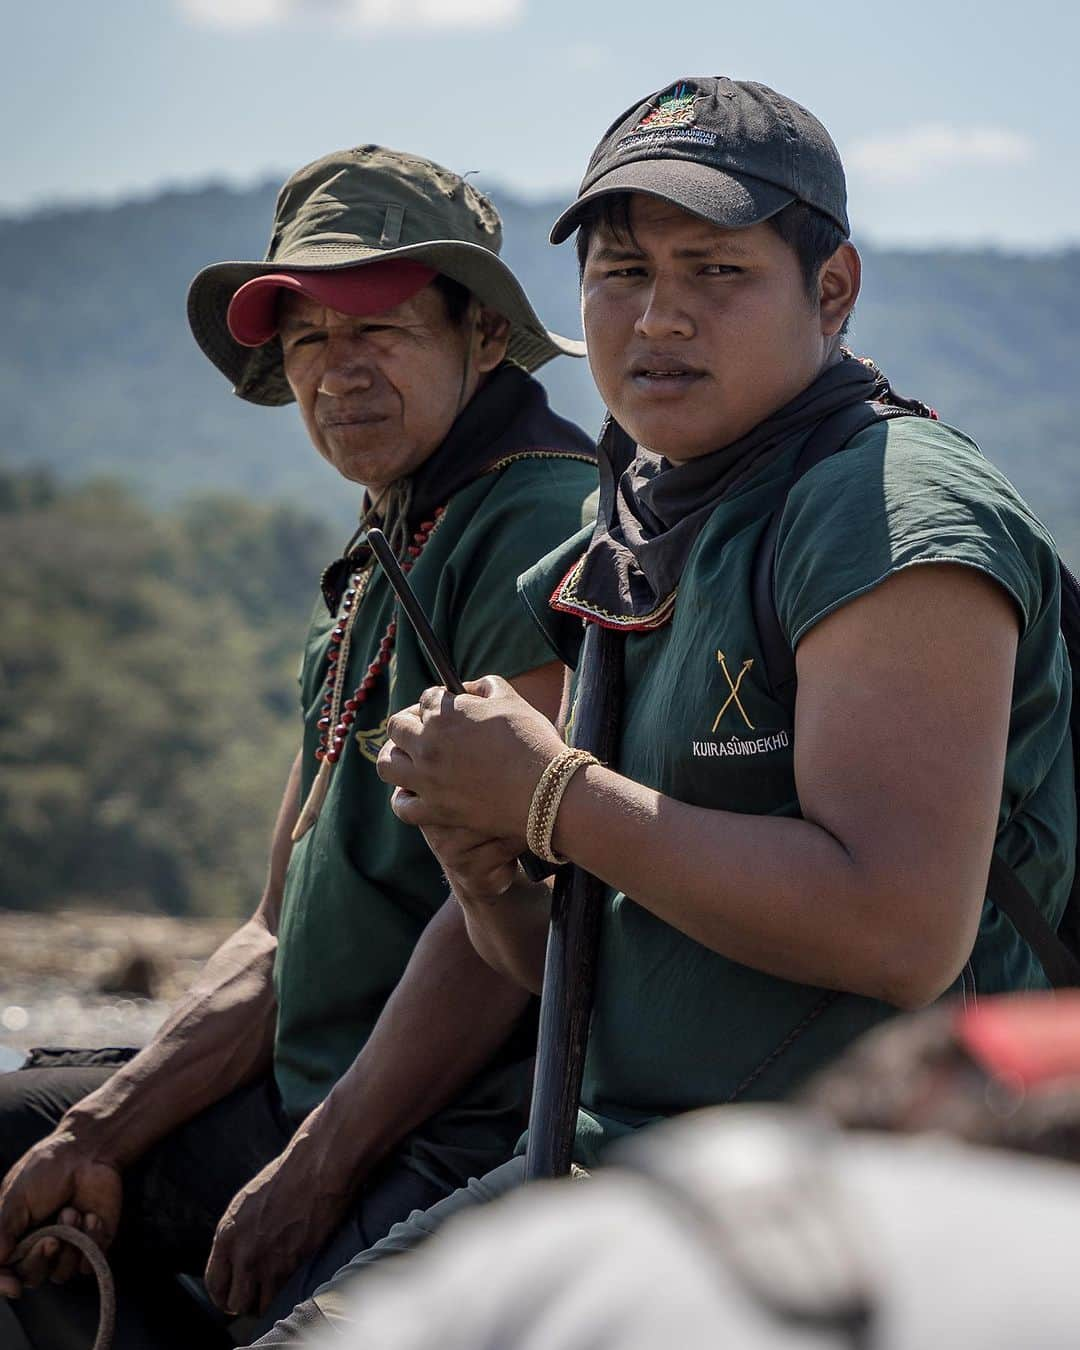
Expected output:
(337, 713)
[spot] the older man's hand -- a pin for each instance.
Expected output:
(281, 1217)
(469, 761)
(59, 1180)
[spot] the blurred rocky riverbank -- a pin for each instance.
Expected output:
(74, 978)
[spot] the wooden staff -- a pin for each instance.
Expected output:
(428, 638)
(533, 867)
(570, 963)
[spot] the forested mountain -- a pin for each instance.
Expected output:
(98, 370)
(149, 633)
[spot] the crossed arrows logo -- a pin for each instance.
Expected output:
(733, 696)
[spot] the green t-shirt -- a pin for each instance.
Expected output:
(677, 1026)
(361, 886)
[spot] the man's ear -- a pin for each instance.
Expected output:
(492, 338)
(838, 288)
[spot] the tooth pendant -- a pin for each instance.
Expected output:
(309, 813)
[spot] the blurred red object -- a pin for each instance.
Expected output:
(1032, 1040)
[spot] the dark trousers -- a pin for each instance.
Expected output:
(173, 1200)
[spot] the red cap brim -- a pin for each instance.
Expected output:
(1033, 1039)
(369, 289)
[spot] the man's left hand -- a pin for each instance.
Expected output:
(281, 1217)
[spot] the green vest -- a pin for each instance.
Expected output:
(677, 1026)
(361, 886)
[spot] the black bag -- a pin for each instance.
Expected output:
(1058, 951)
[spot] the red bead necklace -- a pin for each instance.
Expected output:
(337, 715)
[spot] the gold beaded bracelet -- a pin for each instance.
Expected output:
(547, 798)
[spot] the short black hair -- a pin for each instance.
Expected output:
(612, 213)
(455, 296)
(811, 235)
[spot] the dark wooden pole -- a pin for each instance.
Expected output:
(565, 1009)
(570, 965)
(437, 654)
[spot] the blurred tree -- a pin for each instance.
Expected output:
(147, 693)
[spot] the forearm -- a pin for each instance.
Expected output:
(778, 894)
(509, 931)
(900, 749)
(218, 1037)
(443, 1023)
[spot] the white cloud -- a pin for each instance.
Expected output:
(365, 14)
(920, 152)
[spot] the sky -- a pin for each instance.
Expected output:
(957, 121)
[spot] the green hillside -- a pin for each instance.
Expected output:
(98, 371)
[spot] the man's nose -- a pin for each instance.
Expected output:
(347, 369)
(664, 314)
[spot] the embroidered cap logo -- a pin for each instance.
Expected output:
(675, 109)
(733, 686)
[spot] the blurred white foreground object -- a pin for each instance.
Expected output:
(749, 1227)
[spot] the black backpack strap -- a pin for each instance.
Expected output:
(1014, 900)
(1069, 927)
(1056, 950)
(830, 436)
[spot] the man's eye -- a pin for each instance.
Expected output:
(307, 339)
(720, 270)
(617, 273)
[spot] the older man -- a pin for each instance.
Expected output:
(346, 1057)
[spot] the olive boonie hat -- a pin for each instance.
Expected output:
(360, 206)
(730, 151)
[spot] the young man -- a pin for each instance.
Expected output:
(792, 881)
(346, 1056)
(776, 884)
